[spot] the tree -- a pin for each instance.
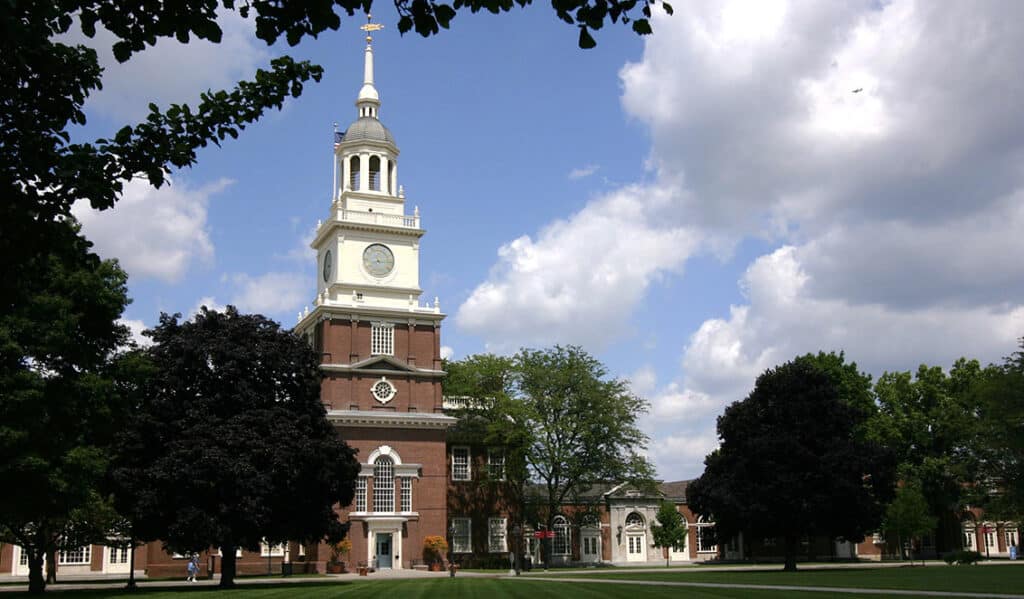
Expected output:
(908, 516)
(928, 419)
(58, 408)
(792, 463)
(998, 440)
(579, 427)
(670, 531)
(231, 446)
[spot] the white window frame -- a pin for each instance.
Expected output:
(497, 539)
(562, 543)
(119, 555)
(77, 556)
(238, 552)
(466, 459)
(382, 339)
(1010, 537)
(271, 551)
(496, 463)
(702, 547)
(361, 494)
(462, 535)
(384, 484)
(406, 494)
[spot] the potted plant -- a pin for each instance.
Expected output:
(339, 550)
(434, 549)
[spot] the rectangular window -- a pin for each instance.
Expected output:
(705, 540)
(589, 545)
(23, 560)
(406, 494)
(361, 494)
(268, 551)
(496, 463)
(636, 545)
(76, 556)
(496, 535)
(461, 529)
(382, 339)
(119, 555)
(460, 463)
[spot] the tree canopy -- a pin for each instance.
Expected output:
(793, 462)
(230, 446)
(58, 408)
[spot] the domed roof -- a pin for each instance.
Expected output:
(367, 128)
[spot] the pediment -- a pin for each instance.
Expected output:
(378, 363)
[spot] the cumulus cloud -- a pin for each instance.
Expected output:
(447, 353)
(156, 233)
(172, 71)
(208, 302)
(574, 282)
(135, 328)
(272, 293)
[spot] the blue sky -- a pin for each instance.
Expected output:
(692, 207)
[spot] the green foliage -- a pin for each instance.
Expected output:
(929, 420)
(999, 437)
(792, 462)
(562, 422)
(908, 516)
(58, 404)
(230, 445)
(670, 531)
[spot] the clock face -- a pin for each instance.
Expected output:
(378, 260)
(328, 265)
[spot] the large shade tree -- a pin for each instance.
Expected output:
(230, 446)
(928, 419)
(58, 408)
(794, 461)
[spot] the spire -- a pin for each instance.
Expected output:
(369, 100)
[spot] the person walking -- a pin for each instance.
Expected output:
(193, 568)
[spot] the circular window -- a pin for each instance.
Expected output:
(383, 391)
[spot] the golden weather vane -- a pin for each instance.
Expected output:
(369, 28)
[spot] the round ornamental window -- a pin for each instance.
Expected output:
(383, 391)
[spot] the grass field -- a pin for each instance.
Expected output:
(1005, 579)
(970, 579)
(468, 588)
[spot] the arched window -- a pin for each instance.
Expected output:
(384, 485)
(353, 173)
(561, 542)
(706, 542)
(375, 173)
(634, 519)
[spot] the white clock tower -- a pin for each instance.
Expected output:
(368, 249)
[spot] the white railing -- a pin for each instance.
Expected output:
(461, 402)
(379, 218)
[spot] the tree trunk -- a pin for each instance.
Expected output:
(131, 586)
(51, 568)
(36, 583)
(227, 566)
(790, 554)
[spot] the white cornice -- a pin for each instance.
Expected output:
(419, 372)
(398, 315)
(371, 419)
(329, 226)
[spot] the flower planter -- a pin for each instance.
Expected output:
(435, 567)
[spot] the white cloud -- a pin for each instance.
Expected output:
(172, 71)
(209, 302)
(135, 328)
(156, 233)
(580, 278)
(643, 380)
(583, 172)
(447, 353)
(272, 293)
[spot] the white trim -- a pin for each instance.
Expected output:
(468, 546)
(500, 525)
(384, 450)
(469, 463)
(364, 419)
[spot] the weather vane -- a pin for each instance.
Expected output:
(370, 28)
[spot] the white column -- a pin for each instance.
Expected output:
(364, 171)
(385, 175)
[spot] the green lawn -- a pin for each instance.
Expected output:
(978, 579)
(451, 589)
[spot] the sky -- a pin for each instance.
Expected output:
(754, 181)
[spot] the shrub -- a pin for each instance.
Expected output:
(340, 549)
(962, 557)
(434, 548)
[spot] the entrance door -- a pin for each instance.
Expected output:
(383, 550)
